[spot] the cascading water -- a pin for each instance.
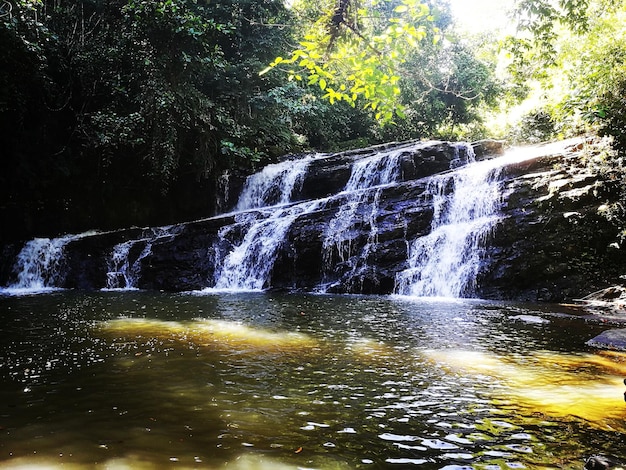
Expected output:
(248, 264)
(356, 234)
(39, 264)
(123, 273)
(446, 262)
(273, 185)
(359, 205)
(119, 269)
(362, 207)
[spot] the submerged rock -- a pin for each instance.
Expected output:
(531, 319)
(614, 339)
(603, 462)
(610, 302)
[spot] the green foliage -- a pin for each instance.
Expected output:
(353, 53)
(106, 102)
(445, 91)
(110, 106)
(534, 127)
(577, 50)
(539, 24)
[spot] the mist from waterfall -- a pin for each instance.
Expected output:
(447, 261)
(39, 263)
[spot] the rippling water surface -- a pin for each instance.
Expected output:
(247, 381)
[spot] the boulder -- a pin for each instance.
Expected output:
(604, 462)
(614, 339)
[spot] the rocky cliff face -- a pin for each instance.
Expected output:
(342, 232)
(553, 242)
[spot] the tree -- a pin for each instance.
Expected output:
(108, 107)
(355, 52)
(447, 89)
(577, 50)
(539, 23)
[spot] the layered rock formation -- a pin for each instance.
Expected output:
(342, 234)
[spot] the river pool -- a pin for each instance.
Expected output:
(121, 379)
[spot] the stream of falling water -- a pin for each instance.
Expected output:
(274, 185)
(249, 262)
(123, 270)
(446, 262)
(39, 265)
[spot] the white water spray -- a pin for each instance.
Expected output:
(273, 185)
(248, 266)
(377, 170)
(124, 274)
(249, 263)
(39, 265)
(121, 273)
(446, 262)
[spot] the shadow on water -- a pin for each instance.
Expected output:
(150, 380)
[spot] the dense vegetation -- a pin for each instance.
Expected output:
(125, 112)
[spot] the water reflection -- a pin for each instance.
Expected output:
(145, 380)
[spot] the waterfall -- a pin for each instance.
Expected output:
(248, 264)
(39, 265)
(446, 262)
(122, 273)
(351, 237)
(273, 185)
(359, 207)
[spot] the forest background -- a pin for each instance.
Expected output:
(117, 113)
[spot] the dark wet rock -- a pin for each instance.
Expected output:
(551, 244)
(488, 148)
(186, 260)
(614, 339)
(328, 174)
(603, 462)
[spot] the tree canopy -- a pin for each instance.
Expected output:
(575, 50)
(355, 51)
(124, 112)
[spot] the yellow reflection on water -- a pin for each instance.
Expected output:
(588, 386)
(371, 351)
(209, 333)
(242, 462)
